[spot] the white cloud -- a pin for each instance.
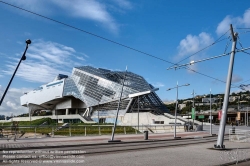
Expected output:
(11, 102)
(123, 4)
(243, 21)
(236, 78)
(34, 5)
(158, 84)
(95, 10)
(80, 58)
(224, 25)
(193, 43)
(92, 10)
(11, 105)
(45, 60)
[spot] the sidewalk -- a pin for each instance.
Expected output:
(95, 139)
(195, 154)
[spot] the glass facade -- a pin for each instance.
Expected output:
(101, 89)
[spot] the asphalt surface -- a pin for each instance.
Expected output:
(194, 148)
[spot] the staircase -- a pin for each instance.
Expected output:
(182, 119)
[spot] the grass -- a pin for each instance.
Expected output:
(31, 123)
(94, 130)
(75, 129)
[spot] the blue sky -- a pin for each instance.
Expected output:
(169, 30)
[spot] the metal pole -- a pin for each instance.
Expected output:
(210, 113)
(70, 130)
(113, 131)
(194, 110)
(221, 132)
(176, 105)
(30, 109)
(98, 115)
(56, 118)
(138, 113)
(238, 103)
(22, 58)
(220, 103)
(247, 116)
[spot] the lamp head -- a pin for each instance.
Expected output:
(187, 84)
(28, 41)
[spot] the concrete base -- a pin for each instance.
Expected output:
(219, 147)
(110, 141)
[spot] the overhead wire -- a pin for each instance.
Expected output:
(242, 28)
(205, 75)
(114, 42)
(246, 52)
(216, 41)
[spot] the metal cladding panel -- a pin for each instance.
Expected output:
(97, 85)
(70, 89)
(43, 94)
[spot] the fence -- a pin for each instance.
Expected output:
(237, 135)
(84, 130)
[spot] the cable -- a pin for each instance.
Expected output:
(216, 41)
(98, 36)
(205, 75)
(227, 46)
(245, 52)
(238, 86)
(106, 39)
(242, 28)
(239, 42)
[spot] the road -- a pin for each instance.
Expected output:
(187, 152)
(162, 152)
(215, 128)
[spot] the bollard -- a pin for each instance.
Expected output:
(145, 135)
(233, 130)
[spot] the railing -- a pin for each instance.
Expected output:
(82, 130)
(237, 135)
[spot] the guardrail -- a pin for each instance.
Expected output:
(237, 135)
(82, 130)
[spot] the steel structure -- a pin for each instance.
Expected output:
(96, 90)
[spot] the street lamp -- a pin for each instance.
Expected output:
(117, 113)
(141, 94)
(176, 104)
(193, 110)
(210, 113)
(22, 58)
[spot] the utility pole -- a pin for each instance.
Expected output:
(210, 113)
(238, 103)
(221, 132)
(117, 113)
(175, 114)
(138, 111)
(193, 109)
